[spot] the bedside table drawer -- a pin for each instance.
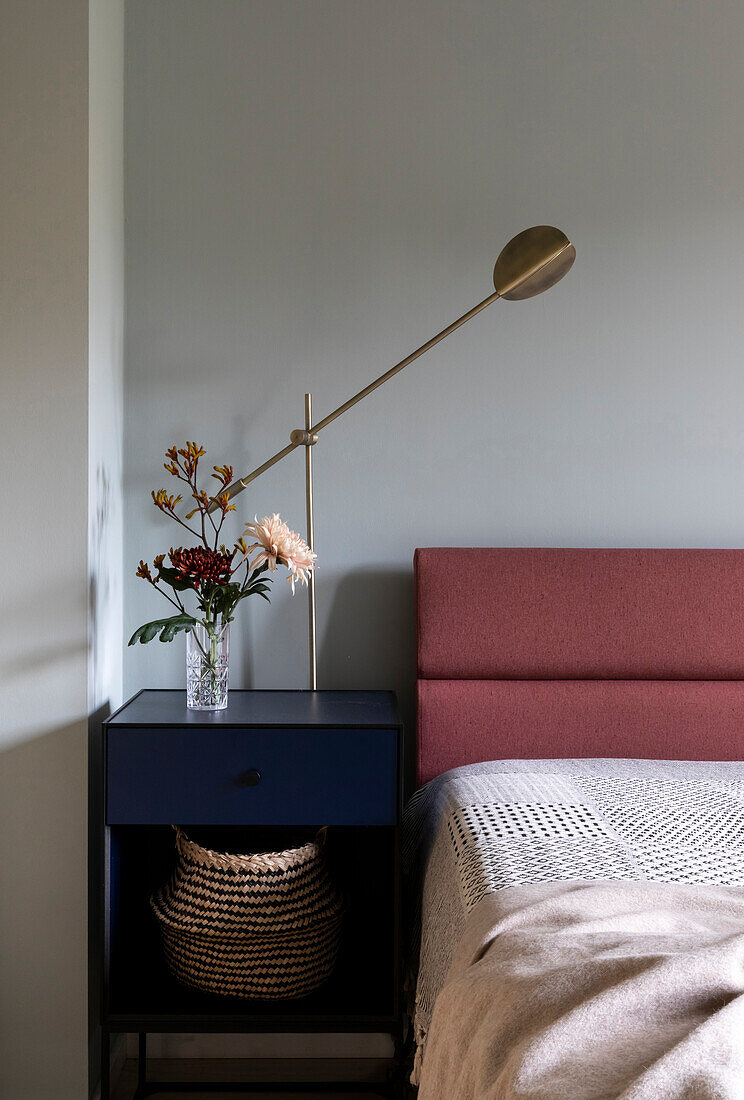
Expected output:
(252, 776)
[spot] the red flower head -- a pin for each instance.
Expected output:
(202, 566)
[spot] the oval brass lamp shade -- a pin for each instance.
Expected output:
(532, 262)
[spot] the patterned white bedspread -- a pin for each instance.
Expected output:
(488, 827)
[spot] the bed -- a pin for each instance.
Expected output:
(576, 847)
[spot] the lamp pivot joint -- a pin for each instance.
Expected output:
(301, 437)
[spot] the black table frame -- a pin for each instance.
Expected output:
(110, 1024)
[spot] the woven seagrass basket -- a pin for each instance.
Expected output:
(263, 926)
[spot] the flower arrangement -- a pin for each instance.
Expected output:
(210, 572)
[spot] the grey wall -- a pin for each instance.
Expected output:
(43, 662)
(61, 302)
(314, 189)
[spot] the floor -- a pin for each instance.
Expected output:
(227, 1069)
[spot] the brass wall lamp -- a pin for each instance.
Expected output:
(530, 263)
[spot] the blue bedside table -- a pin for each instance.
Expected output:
(264, 774)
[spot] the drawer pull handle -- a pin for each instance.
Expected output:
(249, 778)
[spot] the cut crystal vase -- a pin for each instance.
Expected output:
(207, 653)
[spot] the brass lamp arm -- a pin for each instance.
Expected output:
(531, 262)
(303, 437)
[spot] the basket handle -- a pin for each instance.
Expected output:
(320, 839)
(270, 860)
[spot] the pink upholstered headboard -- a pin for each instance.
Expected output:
(559, 653)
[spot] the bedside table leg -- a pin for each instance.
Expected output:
(141, 1089)
(105, 1064)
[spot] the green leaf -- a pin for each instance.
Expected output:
(174, 579)
(226, 606)
(224, 596)
(166, 628)
(175, 625)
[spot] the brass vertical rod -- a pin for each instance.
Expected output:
(311, 544)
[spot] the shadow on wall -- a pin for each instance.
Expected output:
(369, 639)
(99, 583)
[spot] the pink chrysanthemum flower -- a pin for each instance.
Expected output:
(298, 558)
(277, 544)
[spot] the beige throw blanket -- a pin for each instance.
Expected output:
(578, 930)
(589, 990)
